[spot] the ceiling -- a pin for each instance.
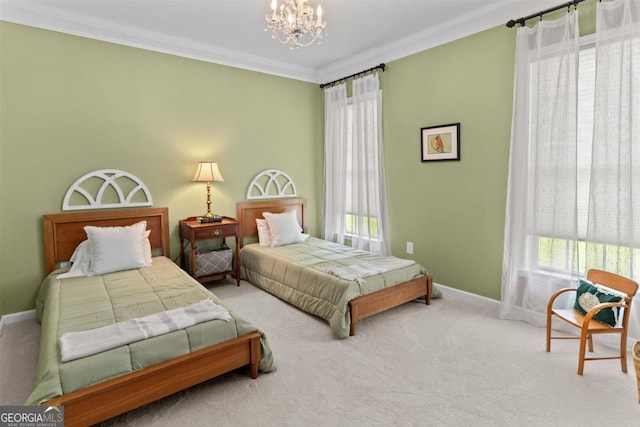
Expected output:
(361, 33)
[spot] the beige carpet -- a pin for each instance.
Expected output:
(448, 364)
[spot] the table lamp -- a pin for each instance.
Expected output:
(208, 172)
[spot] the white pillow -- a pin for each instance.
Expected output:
(81, 258)
(116, 248)
(81, 261)
(284, 228)
(264, 235)
(146, 247)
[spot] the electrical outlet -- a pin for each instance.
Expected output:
(409, 247)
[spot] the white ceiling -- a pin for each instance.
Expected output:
(361, 33)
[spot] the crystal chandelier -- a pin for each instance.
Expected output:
(294, 23)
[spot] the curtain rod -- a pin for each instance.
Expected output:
(521, 21)
(381, 66)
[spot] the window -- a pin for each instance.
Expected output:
(355, 208)
(564, 255)
(354, 222)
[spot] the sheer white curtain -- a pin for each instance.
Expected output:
(336, 134)
(367, 194)
(355, 201)
(614, 197)
(574, 185)
(542, 187)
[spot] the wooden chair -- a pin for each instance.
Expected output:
(590, 326)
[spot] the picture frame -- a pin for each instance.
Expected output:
(440, 142)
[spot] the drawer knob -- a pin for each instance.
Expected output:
(216, 232)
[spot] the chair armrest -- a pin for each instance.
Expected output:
(556, 295)
(597, 308)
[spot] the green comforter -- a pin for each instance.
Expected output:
(299, 274)
(81, 303)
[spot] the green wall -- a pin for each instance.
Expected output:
(453, 211)
(70, 105)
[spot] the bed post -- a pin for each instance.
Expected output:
(255, 354)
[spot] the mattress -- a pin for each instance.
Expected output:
(299, 273)
(83, 303)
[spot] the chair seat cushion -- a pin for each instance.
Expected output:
(589, 295)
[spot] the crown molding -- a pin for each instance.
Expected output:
(474, 22)
(51, 18)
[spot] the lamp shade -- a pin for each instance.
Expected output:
(208, 172)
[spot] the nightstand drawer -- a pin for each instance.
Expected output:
(218, 231)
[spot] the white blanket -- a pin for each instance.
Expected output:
(364, 269)
(74, 345)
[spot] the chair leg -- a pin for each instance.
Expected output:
(583, 345)
(623, 352)
(590, 338)
(548, 331)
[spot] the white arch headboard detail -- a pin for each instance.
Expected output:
(271, 184)
(109, 178)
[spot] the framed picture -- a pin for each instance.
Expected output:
(440, 142)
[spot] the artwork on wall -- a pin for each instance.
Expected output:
(440, 142)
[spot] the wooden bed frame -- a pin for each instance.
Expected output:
(360, 307)
(101, 401)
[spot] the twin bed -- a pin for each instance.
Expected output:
(322, 278)
(131, 375)
(106, 384)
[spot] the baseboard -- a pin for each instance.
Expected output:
(495, 304)
(475, 298)
(16, 317)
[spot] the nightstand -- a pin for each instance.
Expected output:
(191, 231)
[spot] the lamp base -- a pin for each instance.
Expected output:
(207, 219)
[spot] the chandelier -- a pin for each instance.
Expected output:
(294, 23)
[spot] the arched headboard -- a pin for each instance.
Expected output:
(271, 184)
(91, 189)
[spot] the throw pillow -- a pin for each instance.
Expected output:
(589, 295)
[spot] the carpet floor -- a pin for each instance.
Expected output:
(452, 363)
